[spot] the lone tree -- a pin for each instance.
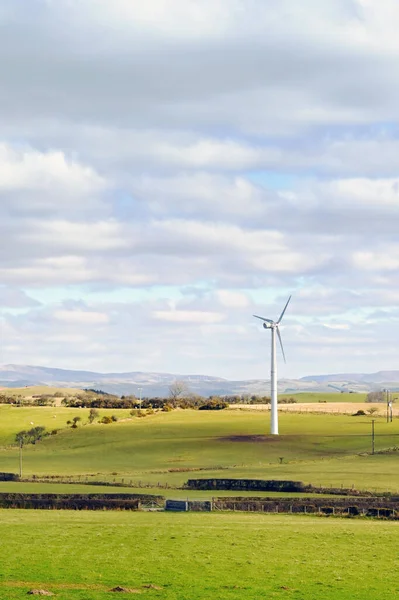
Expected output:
(376, 397)
(93, 415)
(31, 436)
(21, 437)
(178, 389)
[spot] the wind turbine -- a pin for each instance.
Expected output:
(274, 326)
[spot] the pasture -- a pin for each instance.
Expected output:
(328, 397)
(169, 448)
(36, 390)
(196, 556)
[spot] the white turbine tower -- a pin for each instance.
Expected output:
(274, 326)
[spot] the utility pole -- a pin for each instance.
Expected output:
(20, 458)
(140, 389)
(372, 437)
(387, 399)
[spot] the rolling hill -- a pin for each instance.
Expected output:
(157, 384)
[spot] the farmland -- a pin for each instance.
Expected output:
(168, 448)
(196, 556)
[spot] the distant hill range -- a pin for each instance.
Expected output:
(157, 384)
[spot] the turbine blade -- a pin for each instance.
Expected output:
(285, 308)
(263, 319)
(281, 343)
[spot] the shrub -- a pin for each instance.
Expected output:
(106, 420)
(166, 408)
(44, 400)
(31, 436)
(75, 421)
(214, 405)
(93, 415)
(359, 413)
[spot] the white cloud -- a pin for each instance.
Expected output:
(29, 169)
(232, 299)
(254, 66)
(79, 237)
(81, 317)
(386, 260)
(364, 194)
(188, 316)
(202, 194)
(214, 156)
(15, 298)
(337, 326)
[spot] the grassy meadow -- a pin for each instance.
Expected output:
(169, 448)
(197, 556)
(326, 397)
(37, 390)
(193, 556)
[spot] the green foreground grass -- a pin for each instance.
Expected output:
(197, 556)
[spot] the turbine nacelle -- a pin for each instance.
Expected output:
(270, 324)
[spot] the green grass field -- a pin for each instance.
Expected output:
(197, 556)
(326, 397)
(37, 390)
(14, 418)
(172, 447)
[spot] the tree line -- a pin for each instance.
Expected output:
(179, 396)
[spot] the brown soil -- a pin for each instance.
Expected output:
(249, 438)
(152, 586)
(56, 586)
(124, 590)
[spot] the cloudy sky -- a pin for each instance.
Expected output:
(170, 167)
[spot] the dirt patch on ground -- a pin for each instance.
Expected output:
(56, 586)
(152, 586)
(125, 590)
(266, 439)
